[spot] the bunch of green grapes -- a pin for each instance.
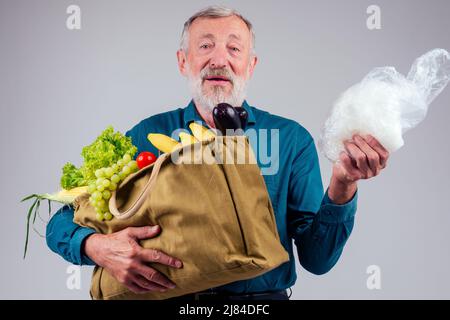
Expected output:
(107, 181)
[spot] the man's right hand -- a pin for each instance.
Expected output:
(122, 256)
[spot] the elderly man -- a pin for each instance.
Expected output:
(217, 56)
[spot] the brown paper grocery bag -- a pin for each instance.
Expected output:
(214, 212)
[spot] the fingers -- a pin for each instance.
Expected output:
(376, 145)
(368, 155)
(359, 157)
(152, 276)
(147, 285)
(135, 287)
(371, 155)
(130, 280)
(126, 260)
(351, 173)
(152, 255)
(138, 284)
(141, 233)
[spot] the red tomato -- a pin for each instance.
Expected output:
(145, 159)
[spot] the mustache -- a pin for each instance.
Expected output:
(223, 72)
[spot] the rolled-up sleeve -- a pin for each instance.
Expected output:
(66, 238)
(319, 227)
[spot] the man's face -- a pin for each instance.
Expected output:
(219, 61)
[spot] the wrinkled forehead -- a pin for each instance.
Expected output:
(233, 28)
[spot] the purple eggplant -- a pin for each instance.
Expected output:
(226, 117)
(243, 115)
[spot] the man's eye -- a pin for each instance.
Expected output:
(235, 49)
(204, 46)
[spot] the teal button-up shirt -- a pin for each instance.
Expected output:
(288, 159)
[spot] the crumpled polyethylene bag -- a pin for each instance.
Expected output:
(386, 104)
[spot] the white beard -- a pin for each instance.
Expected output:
(218, 94)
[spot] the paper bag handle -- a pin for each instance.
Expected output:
(132, 210)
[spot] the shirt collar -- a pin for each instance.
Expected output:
(191, 114)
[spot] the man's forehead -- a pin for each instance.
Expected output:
(232, 27)
(212, 36)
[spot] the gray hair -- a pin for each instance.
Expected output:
(214, 12)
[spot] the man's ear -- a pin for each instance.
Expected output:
(253, 62)
(181, 57)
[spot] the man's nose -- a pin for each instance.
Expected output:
(219, 58)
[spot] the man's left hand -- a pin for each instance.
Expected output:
(364, 159)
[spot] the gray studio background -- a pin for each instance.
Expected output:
(60, 88)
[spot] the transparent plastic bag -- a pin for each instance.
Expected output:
(386, 104)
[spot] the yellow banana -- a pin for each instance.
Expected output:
(200, 132)
(162, 142)
(186, 139)
(167, 144)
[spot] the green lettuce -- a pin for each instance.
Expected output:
(71, 177)
(105, 151)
